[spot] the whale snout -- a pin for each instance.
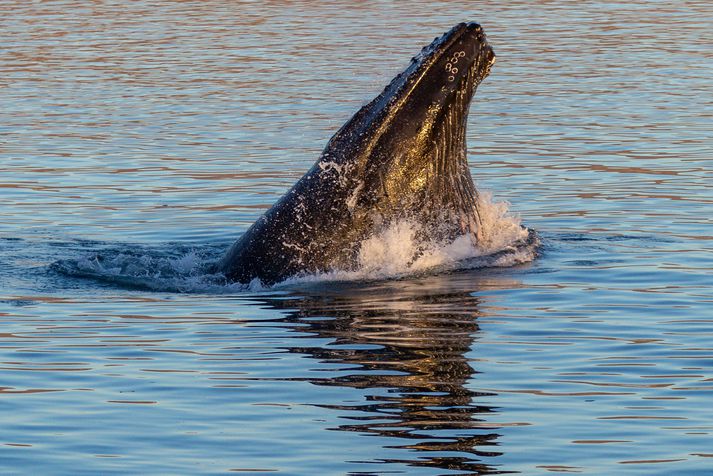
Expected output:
(475, 28)
(471, 35)
(471, 28)
(477, 34)
(464, 53)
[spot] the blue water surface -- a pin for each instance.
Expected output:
(154, 133)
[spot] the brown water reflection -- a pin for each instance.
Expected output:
(406, 345)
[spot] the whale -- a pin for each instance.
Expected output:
(401, 157)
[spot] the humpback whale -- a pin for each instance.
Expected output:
(400, 157)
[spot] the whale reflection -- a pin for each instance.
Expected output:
(405, 344)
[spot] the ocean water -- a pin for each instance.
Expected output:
(139, 139)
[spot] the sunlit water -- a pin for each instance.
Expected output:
(154, 134)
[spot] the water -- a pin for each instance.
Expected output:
(154, 134)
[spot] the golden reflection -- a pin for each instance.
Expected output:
(405, 343)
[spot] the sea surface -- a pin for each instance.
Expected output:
(139, 139)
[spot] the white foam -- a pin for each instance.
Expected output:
(499, 228)
(397, 251)
(152, 269)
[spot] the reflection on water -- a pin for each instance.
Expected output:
(404, 344)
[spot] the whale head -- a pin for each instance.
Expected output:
(400, 157)
(405, 151)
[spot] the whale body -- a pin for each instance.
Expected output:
(400, 157)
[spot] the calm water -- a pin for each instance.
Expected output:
(159, 132)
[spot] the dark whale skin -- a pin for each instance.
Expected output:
(402, 156)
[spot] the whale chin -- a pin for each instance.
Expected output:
(400, 157)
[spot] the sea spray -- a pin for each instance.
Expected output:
(397, 251)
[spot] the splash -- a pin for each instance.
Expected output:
(166, 269)
(396, 252)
